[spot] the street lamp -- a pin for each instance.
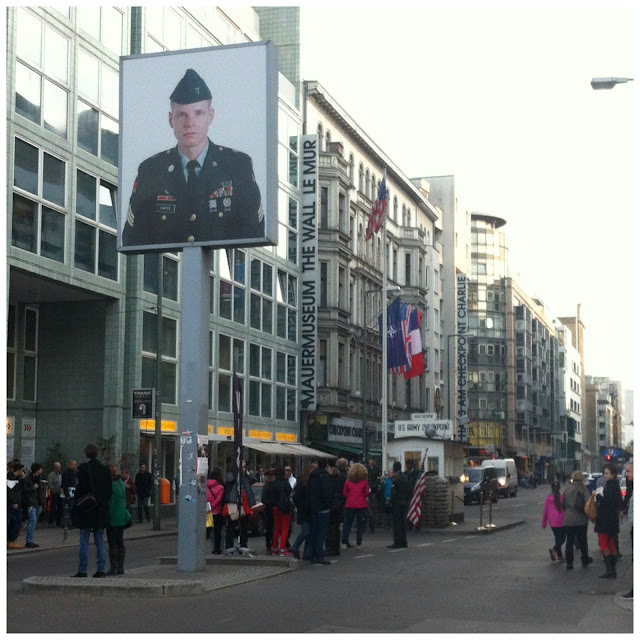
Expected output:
(363, 366)
(607, 83)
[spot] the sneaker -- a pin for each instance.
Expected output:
(343, 547)
(31, 545)
(560, 559)
(358, 547)
(553, 554)
(286, 553)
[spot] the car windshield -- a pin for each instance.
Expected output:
(475, 475)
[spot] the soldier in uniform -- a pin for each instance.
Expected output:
(198, 191)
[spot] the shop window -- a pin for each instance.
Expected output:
(169, 360)
(260, 381)
(169, 275)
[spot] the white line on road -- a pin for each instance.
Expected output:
(425, 544)
(467, 537)
(396, 550)
(368, 555)
(449, 540)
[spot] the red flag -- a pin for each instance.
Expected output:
(415, 506)
(414, 346)
(377, 210)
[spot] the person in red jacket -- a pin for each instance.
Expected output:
(356, 492)
(215, 492)
(554, 514)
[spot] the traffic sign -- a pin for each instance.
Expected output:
(143, 404)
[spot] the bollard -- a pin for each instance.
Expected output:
(490, 525)
(480, 527)
(66, 520)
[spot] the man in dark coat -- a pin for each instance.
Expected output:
(374, 491)
(15, 476)
(321, 493)
(33, 501)
(400, 496)
(144, 485)
(198, 191)
(93, 478)
(68, 488)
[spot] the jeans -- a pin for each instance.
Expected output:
(143, 503)
(15, 522)
(83, 549)
(577, 534)
(349, 515)
(34, 514)
(319, 528)
(560, 535)
(305, 534)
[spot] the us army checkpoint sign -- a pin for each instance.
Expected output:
(223, 111)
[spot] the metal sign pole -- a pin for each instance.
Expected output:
(194, 403)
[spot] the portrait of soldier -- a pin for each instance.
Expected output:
(198, 191)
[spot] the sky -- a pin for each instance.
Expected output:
(500, 98)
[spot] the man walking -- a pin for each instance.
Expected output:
(400, 496)
(54, 480)
(144, 483)
(320, 492)
(93, 478)
(33, 501)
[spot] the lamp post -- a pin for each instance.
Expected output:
(363, 366)
(607, 83)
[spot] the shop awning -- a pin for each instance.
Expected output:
(286, 448)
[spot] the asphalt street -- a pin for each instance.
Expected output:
(499, 583)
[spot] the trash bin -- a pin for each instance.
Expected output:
(165, 491)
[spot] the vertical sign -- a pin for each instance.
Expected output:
(309, 261)
(462, 350)
(10, 421)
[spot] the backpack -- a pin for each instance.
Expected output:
(283, 503)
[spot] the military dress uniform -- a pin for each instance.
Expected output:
(222, 203)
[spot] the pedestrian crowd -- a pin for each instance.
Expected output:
(568, 514)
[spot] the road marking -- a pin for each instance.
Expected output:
(368, 555)
(467, 537)
(449, 540)
(425, 544)
(396, 550)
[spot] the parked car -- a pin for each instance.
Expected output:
(256, 525)
(480, 481)
(591, 480)
(507, 475)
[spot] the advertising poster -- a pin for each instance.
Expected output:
(198, 148)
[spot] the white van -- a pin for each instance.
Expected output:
(507, 475)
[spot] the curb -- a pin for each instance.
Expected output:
(474, 531)
(123, 587)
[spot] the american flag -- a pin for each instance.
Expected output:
(415, 507)
(377, 210)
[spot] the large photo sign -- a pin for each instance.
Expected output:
(198, 148)
(309, 263)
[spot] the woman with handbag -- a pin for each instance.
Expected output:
(215, 492)
(609, 501)
(554, 514)
(575, 520)
(230, 510)
(119, 520)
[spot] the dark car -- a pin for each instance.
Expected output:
(256, 525)
(480, 481)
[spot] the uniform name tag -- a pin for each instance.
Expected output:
(165, 208)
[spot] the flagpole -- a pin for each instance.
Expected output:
(385, 373)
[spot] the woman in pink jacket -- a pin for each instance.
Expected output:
(554, 514)
(356, 491)
(215, 492)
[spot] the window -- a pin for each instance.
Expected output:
(361, 178)
(169, 275)
(260, 380)
(30, 361)
(286, 309)
(164, 29)
(42, 74)
(98, 103)
(324, 207)
(286, 401)
(168, 352)
(261, 305)
(230, 359)
(232, 280)
(322, 363)
(95, 226)
(342, 213)
(324, 274)
(104, 24)
(407, 269)
(288, 219)
(366, 183)
(38, 217)
(395, 209)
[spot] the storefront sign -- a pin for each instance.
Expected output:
(424, 416)
(225, 431)
(260, 435)
(462, 346)
(285, 437)
(167, 425)
(309, 277)
(420, 429)
(344, 430)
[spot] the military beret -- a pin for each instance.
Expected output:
(191, 88)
